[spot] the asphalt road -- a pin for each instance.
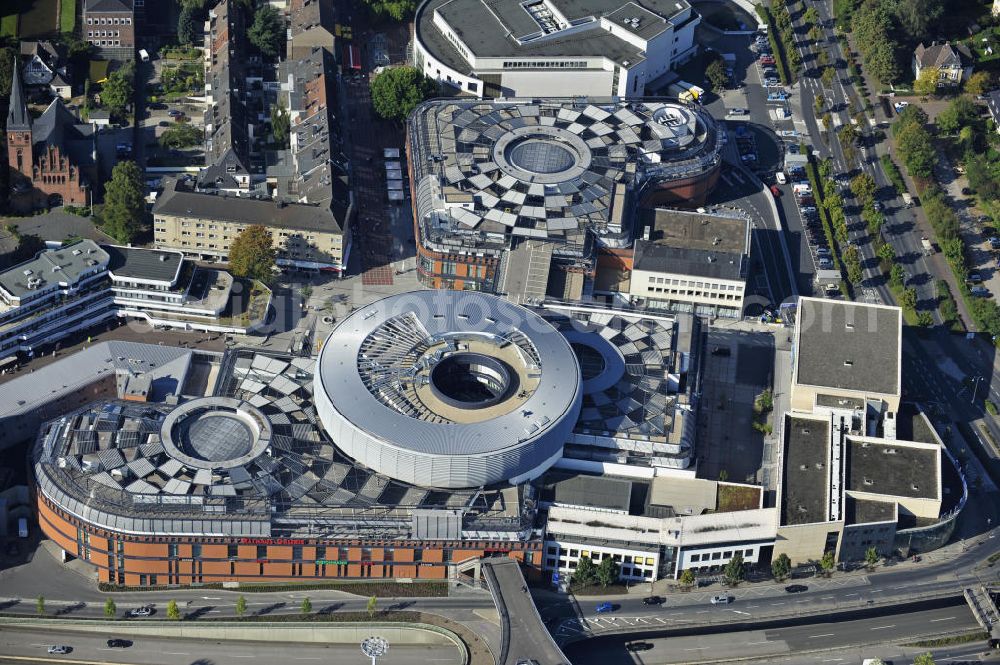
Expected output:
(774, 641)
(18, 642)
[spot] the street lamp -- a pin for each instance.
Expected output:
(374, 647)
(975, 389)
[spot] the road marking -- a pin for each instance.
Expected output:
(831, 660)
(753, 643)
(813, 637)
(944, 619)
(176, 653)
(883, 627)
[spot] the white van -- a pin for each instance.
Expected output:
(144, 55)
(780, 177)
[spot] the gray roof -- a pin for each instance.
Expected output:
(848, 346)
(941, 55)
(408, 322)
(86, 366)
(693, 244)
(893, 469)
(17, 115)
(243, 210)
(806, 472)
(150, 264)
(53, 266)
(308, 14)
(109, 6)
(587, 491)
(58, 126)
(499, 28)
(994, 104)
(866, 511)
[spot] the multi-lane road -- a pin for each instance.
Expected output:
(20, 645)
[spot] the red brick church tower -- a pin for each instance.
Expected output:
(51, 179)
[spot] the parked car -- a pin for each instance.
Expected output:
(966, 191)
(639, 646)
(771, 81)
(653, 600)
(738, 111)
(174, 113)
(975, 277)
(722, 599)
(775, 191)
(980, 292)
(157, 106)
(118, 643)
(767, 59)
(60, 649)
(822, 251)
(995, 242)
(605, 607)
(140, 612)
(797, 588)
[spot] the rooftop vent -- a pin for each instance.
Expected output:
(849, 325)
(848, 363)
(76, 252)
(27, 272)
(869, 481)
(915, 487)
(163, 257)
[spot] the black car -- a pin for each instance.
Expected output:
(639, 646)
(966, 191)
(652, 600)
(796, 588)
(119, 644)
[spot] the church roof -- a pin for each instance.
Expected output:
(18, 119)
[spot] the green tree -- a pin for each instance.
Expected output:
(863, 187)
(187, 24)
(7, 58)
(280, 123)
(241, 606)
(896, 275)
(872, 557)
(926, 82)
(781, 567)
(828, 563)
(733, 571)
(397, 10)
(252, 254)
(715, 72)
(607, 571)
(978, 83)
(181, 136)
(908, 299)
(124, 204)
(827, 76)
(886, 253)
(916, 16)
(585, 573)
(372, 606)
(961, 111)
(40, 604)
(173, 612)
(110, 609)
(398, 90)
(118, 90)
(917, 150)
(268, 31)
(307, 606)
(687, 577)
(852, 260)
(924, 659)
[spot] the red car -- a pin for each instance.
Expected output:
(766, 60)
(775, 191)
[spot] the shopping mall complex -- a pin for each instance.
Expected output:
(439, 427)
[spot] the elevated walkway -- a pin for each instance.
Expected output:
(525, 637)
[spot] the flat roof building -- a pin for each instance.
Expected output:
(552, 48)
(691, 262)
(848, 350)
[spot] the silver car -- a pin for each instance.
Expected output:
(60, 649)
(722, 599)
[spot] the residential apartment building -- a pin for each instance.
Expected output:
(953, 62)
(110, 26)
(204, 226)
(312, 24)
(228, 127)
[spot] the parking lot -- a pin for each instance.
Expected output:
(163, 111)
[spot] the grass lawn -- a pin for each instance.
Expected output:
(67, 16)
(38, 19)
(738, 497)
(8, 25)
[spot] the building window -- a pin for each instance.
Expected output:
(695, 557)
(262, 551)
(747, 553)
(716, 555)
(172, 550)
(196, 551)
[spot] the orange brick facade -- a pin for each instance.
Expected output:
(49, 179)
(152, 561)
